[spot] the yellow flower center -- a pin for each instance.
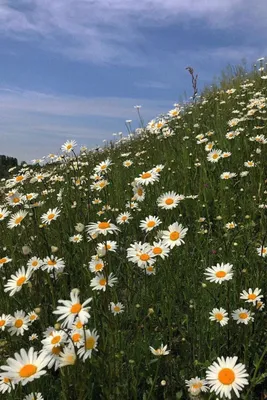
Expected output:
(243, 315)
(157, 250)
(150, 268)
(76, 308)
(3, 260)
(2, 322)
(103, 225)
(51, 216)
(169, 201)
(252, 296)
(103, 166)
(18, 323)
(76, 337)
(99, 267)
(215, 156)
(102, 282)
(79, 325)
(124, 218)
(16, 200)
(174, 235)
(117, 309)
(34, 263)
(51, 262)
(18, 220)
(69, 146)
(220, 274)
(1, 215)
(21, 280)
(144, 257)
(219, 316)
(27, 371)
(29, 196)
(146, 175)
(56, 350)
(150, 224)
(56, 339)
(197, 385)
(226, 376)
(19, 178)
(139, 192)
(90, 343)
(6, 380)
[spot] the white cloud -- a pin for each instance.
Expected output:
(111, 30)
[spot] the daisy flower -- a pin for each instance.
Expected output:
(33, 337)
(16, 219)
(101, 283)
(242, 316)
(196, 386)
(34, 263)
(161, 351)
(103, 166)
(219, 315)
(53, 263)
(55, 339)
(68, 146)
(90, 344)
(6, 384)
(96, 265)
(33, 316)
(149, 223)
(214, 156)
(15, 199)
(76, 238)
(4, 321)
(67, 357)
(225, 376)
(123, 218)
(228, 175)
(139, 193)
(117, 308)
(150, 270)
(4, 213)
(19, 323)
(127, 163)
(160, 250)
(249, 164)
(174, 236)
(4, 260)
(209, 146)
(73, 309)
(111, 245)
(168, 200)
(101, 227)
(260, 305)
(76, 337)
(252, 296)
(222, 272)
(25, 367)
(34, 396)
(262, 251)
(147, 177)
(230, 225)
(50, 215)
(141, 254)
(16, 282)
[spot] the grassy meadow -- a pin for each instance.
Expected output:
(138, 270)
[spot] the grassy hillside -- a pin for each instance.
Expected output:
(165, 235)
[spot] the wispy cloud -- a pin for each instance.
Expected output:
(111, 31)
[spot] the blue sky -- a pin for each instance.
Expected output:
(75, 69)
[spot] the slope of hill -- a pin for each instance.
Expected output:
(139, 271)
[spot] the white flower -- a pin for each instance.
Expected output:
(225, 375)
(161, 351)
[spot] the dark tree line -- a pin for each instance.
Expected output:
(6, 163)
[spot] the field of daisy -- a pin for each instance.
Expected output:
(138, 270)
